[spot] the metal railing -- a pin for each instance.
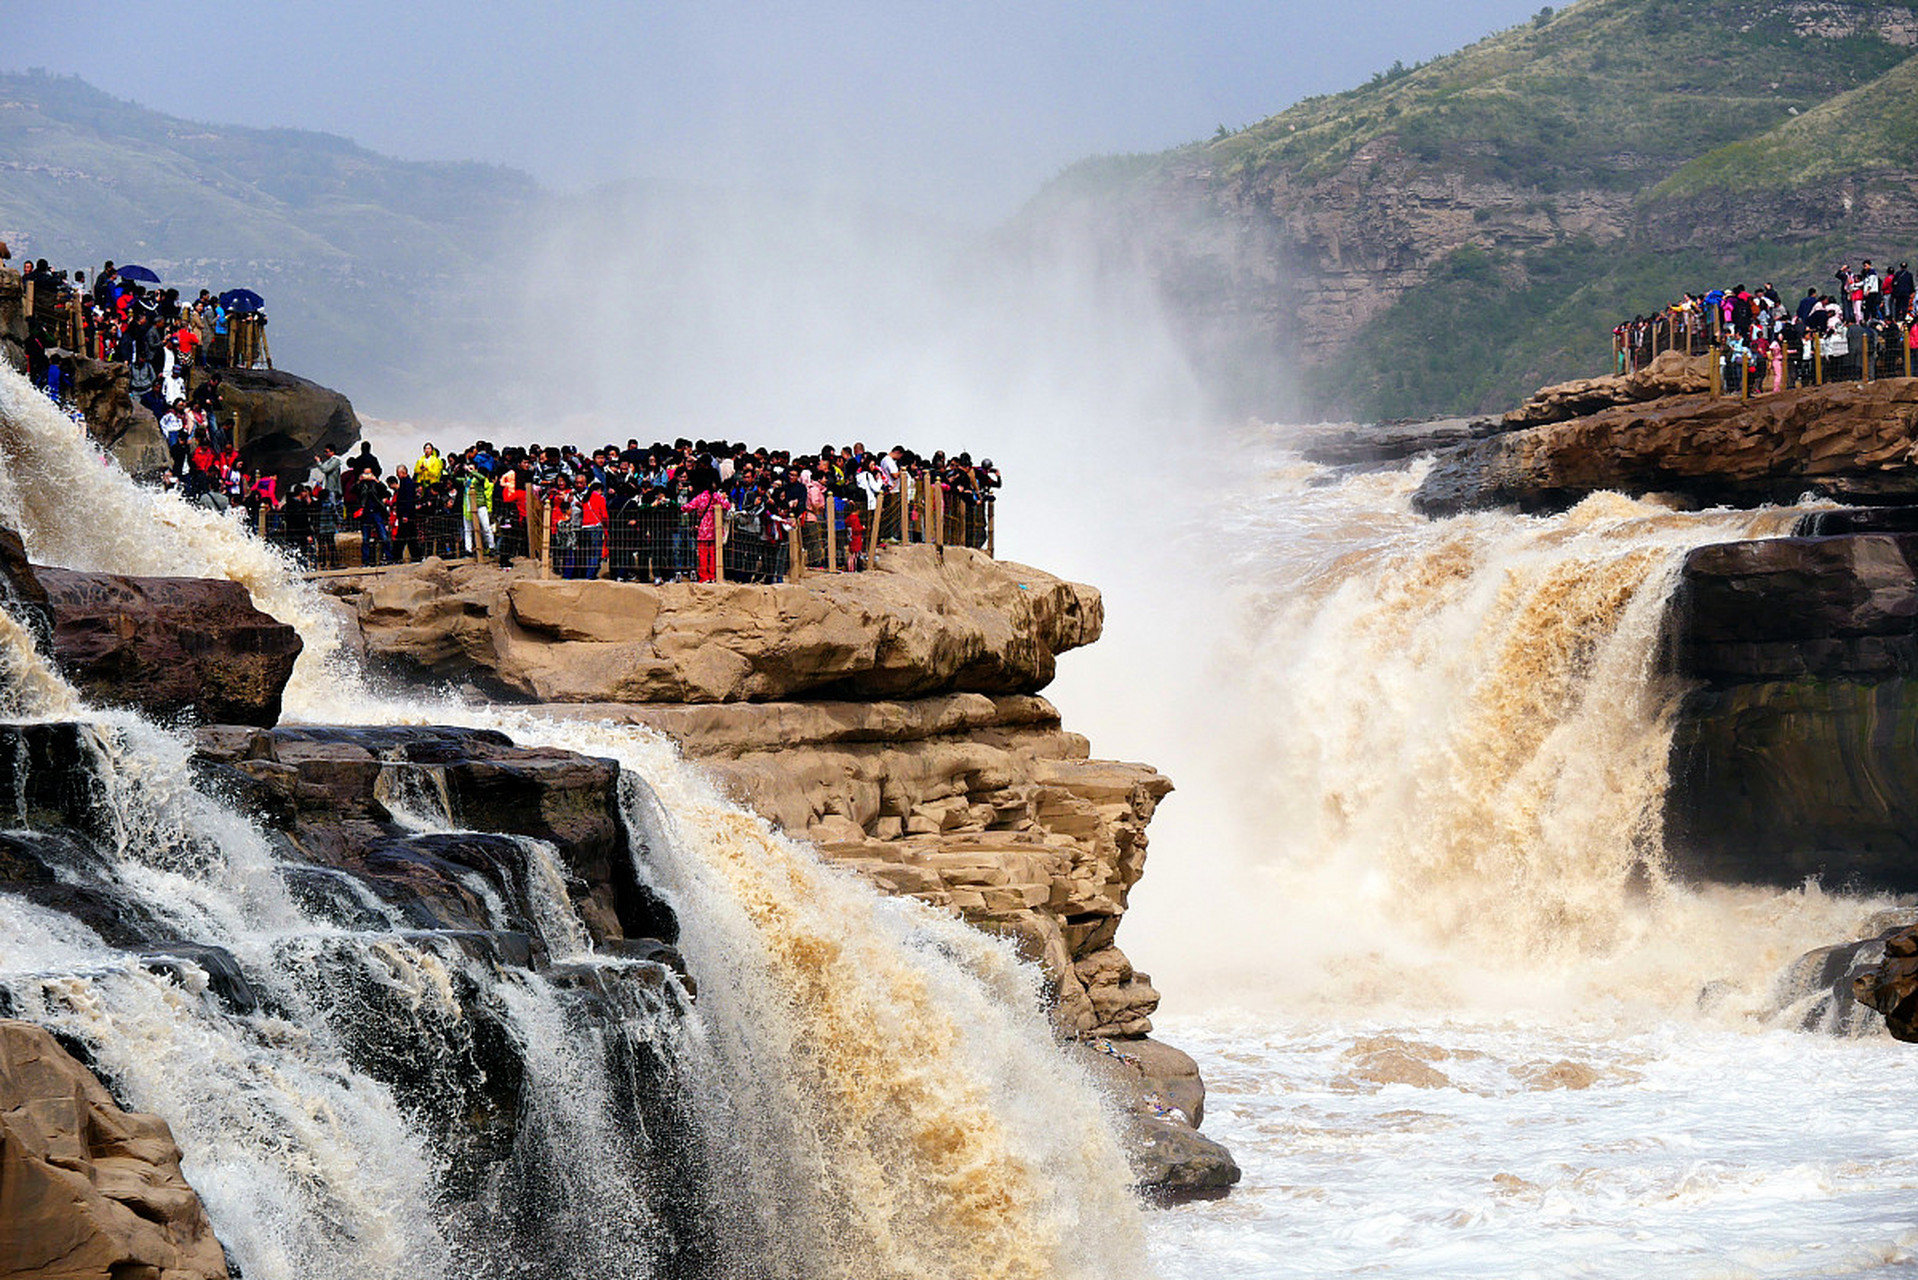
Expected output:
(1858, 353)
(651, 544)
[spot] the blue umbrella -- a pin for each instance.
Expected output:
(133, 271)
(242, 300)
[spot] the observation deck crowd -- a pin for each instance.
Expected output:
(1856, 328)
(685, 511)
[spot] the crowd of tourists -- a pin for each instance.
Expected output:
(161, 335)
(685, 511)
(1768, 341)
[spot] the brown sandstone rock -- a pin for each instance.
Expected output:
(1671, 373)
(1891, 987)
(1852, 441)
(925, 621)
(122, 427)
(88, 1191)
(170, 646)
(281, 421)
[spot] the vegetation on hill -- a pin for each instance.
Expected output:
(1600, 159)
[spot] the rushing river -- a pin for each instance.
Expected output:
(1414, 919)
(1410, 911)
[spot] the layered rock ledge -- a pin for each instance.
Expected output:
(1853, 442)
(891, 718)
(87, 1189)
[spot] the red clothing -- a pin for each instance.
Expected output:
(594, 511)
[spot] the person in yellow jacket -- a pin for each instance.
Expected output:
(430, 466)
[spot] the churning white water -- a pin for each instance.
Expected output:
(1448, 998)
(866, 1088)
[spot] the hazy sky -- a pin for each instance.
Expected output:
(966, 107)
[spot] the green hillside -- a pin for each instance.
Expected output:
(364, 260)
(1446, 237)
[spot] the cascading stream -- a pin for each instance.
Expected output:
(871, 1086)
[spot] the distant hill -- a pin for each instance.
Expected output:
(370, 265)
(1449, 236)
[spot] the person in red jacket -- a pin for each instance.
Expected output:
(592, 532)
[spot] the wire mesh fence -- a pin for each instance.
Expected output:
(648, 539)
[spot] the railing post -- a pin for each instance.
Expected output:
(832, 533)
(1904, 340)
(1745, 378)
(992, 525)
(1718, 373)
(796, 552)
(1818, 360)
(936, 514)
(721, 522)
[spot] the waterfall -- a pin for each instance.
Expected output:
(1451, 739)
(864, 1087)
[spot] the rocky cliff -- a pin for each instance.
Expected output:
(1853, 442)
(86, 1189)
(890, 717)
(1796, 753)
(1446, 236)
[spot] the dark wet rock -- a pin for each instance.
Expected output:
(1349, 444)
(1158, 1089)
(1825, 608)
(1796, 754)
(192, 963)
(1173, 1162)
(170, 646)
(329, 787)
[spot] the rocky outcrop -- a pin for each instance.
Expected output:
(925, 621)
(1163, 1099)
(1797, 753)
(332, 793)
(1851, 442)
(281, 422)
(13, 319)
(171, 647)
(1350, 444)
(983, 805)
(126, 429)
(1889, 984)
(888, 717)
(88, 1191)
(1671, 373)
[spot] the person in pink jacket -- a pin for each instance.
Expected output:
(708, 503)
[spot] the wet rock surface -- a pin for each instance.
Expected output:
(1796, 753)
(170, 647)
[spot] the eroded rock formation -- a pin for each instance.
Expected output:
(88, 1191)
(1797, 753)
(924, 621)
(1850, 441)
(170, 646)
(890, 718)
(1671, 373)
